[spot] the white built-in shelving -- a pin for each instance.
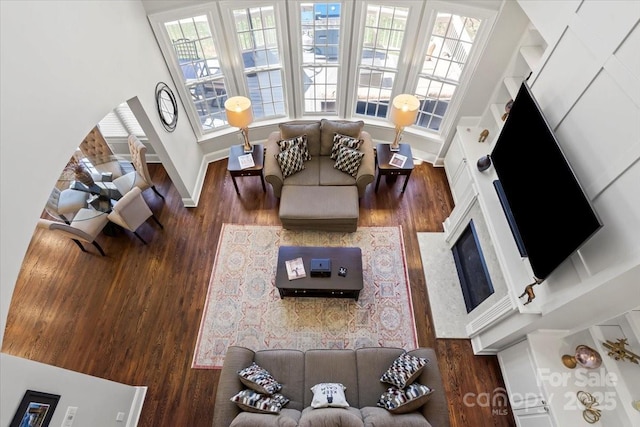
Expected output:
(524, 65)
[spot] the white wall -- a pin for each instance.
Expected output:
(65, 65)
(98, 401)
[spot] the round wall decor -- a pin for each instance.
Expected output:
(167, 106)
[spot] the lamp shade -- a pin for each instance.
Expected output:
(404, 110)
(239, 113)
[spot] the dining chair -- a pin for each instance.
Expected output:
(131, 211)
(64, 204)
(94, 147)
(140, 177)
(85, 227)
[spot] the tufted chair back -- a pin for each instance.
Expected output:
(95, 148)
(139, 157)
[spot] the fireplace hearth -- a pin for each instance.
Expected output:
(472, 269)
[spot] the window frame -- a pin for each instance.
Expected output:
(158, 21)
(421, 19)
(234, 52)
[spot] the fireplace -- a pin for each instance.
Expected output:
(472, 269)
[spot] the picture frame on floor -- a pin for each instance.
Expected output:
(35, 410)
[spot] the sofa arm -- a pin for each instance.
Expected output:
(272, 171)
(229, 385)
(436, 410)
(367, 170)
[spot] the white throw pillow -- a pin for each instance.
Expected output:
(329, 395)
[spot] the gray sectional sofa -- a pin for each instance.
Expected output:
(359, 370)
(320, 196)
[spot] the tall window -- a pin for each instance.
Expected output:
(198, 60)
(449, 47)
(378, 64)
(258, 41)
(320, 23)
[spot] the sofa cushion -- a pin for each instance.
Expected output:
(300, 141)
(297, 128)
(290, 161)
(401, 401)
(259, 379)
(331, 417)
(376, 417)
(286, 418)
(327, 395)
(252, 401)
(340, 140)
(404, 370)
(330, 127)
(287, 365)
(348, 160)
(329, 175)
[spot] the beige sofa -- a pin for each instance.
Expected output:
(320, 196)
(359, 370)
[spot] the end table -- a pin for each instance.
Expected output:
(235, 170)
(391, 172)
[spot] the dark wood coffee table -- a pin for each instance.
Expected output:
(334, 286)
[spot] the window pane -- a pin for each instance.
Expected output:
(448, 51)
(383, 35)
(320, 23)
(198, 60)
(258, 40)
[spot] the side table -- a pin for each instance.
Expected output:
(391, 172)
(235, 170)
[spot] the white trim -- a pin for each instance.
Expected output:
(136, 406)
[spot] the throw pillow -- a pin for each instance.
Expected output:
(300, 141)
(329, 395)
(408, 400)
(343, 127)
(252, 401)
(290, 161)
(259, 379)
(340, 140)
(404, 370)
(349, 160)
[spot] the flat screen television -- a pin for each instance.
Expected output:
(549, 213)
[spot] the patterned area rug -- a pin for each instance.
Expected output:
(244, 308)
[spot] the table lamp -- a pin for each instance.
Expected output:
(404, 110)
(239, 114)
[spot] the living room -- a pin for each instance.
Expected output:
(80, 93)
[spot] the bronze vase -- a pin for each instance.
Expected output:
(84, 176)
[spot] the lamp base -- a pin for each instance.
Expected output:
(392, 148)
(248, 150)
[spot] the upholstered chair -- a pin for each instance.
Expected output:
(131, 211)
(85, 227)
(95, 148)
(64, 204)
(139, 178)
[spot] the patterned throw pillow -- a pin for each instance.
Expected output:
(252, 401)
(407, 400)
(300, 141)
(329, 395)
(343, 141)
(404, 370)
(349, 160)
(290, 161)
(259, 379)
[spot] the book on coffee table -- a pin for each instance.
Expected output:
(295, 268)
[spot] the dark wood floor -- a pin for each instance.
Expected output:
(133, 316)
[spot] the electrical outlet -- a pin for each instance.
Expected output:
(69, 416)
(120, 417)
